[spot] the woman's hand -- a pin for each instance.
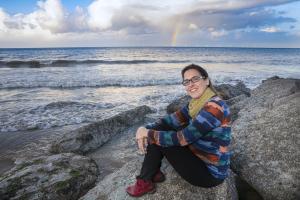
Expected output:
(141, 138)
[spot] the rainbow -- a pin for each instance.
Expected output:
(176, 32)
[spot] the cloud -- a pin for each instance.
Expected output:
(134, 20)
(147, 17)
(230, 15)
(101, 13)
(51, 16)
(3, 17)
(193, 26)
(270, 29)
(132, 24)
(232, 20)
(216, 34)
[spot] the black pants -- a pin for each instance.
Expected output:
(187, 165)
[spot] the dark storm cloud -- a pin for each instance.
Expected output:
(252, 18)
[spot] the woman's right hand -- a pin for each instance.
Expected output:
(141, 138)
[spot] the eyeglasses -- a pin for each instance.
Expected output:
(194, 79)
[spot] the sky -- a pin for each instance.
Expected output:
(98, 23)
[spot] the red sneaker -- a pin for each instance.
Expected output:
(140, 188)
(158, 177)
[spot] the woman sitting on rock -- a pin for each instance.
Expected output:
(194, 139)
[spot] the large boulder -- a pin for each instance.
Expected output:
(174, 188)
(229, 91)
(94, 135)
(60, 177)
(235, 105)
(266, 138)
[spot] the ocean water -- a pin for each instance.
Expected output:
(55, 87)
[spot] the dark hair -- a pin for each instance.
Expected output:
(203, 73)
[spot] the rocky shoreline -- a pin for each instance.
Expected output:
(98, 160)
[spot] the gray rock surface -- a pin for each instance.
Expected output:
(118, 151)
(178, 103)
(60, 177)
(235, 106)
(174, 188)
(92, 136)
(266, 139)
(266, 154)
(229, 91)
(28, 144)
(119, 163)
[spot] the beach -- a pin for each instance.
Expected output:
(97, 160)
(79, 81)
(45, 92)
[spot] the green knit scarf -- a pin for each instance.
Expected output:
(196, 105)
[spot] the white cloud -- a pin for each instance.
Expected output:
(136, 19)
(270, 29)
(3, 17)
(50, 15)
(37, 28)
(101, 13)
(193, 26)
(217, 34)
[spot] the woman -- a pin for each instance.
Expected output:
(194, 139)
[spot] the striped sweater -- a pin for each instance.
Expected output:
(207, 136)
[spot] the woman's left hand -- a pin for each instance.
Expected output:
(141, 138)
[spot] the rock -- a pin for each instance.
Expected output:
(113, 187)
(245, 191)
(119, 163)
(92, 136)
(266, 139)
(235, 100)
(118, 151)
(271, 78)
(229, 91)
(235, 105)
(60, 176)
(240, 91)
(178, 104)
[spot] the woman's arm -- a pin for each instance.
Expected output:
(210, 117)
(172, 122)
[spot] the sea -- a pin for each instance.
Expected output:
(43, 88)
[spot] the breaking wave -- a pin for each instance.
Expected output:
(54, 114)
(90, 84)
(69, 63)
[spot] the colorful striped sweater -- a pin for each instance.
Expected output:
(207, 136)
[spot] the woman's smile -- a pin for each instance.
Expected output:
(192, 90)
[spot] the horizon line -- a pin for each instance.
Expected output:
(69, 47)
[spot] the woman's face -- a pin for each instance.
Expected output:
(196, 89)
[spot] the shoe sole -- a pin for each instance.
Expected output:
(149, 192)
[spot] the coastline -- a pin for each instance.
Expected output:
(117, 169)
